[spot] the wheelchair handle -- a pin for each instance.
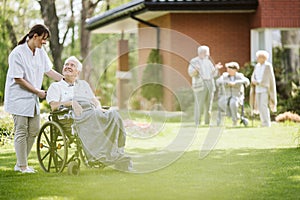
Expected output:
(69, 115)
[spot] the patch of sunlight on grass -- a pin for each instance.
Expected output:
(53, 198)
(5, 168)
(295, 178)
(161, 140)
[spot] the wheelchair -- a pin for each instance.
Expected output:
(222, 113)
(59, 146)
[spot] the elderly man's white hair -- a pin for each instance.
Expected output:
(76, 61)
(262, 53)
(205, 49)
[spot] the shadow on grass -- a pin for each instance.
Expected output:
(223, 174)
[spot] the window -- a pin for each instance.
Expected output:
(284, 48)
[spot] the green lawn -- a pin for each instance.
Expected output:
(246, 163)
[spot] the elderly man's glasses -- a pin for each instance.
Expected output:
(69, 65)
(232, 67)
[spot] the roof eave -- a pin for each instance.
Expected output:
(116, 14)
(200, 6)
(140, 6)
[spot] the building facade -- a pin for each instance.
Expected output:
(233, 29)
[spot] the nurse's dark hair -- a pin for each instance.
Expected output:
(39, 29)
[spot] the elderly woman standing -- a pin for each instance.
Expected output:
(263, 88)
(231, 94)
(202, 71)
(102, 132)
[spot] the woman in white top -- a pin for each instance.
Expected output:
(263, 93)
(28, 62)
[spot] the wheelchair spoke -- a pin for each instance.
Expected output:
(45, 146)
(58, 156)
(55, 162)
(46, 137)
(49, 163)
(45, 155)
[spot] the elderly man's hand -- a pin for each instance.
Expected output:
(77, 108)
(219, 65)
(231, 83)
(254, 82)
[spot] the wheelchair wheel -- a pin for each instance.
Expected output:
(52, 147)
(73, 168)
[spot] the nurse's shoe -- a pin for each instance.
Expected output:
(27, 170)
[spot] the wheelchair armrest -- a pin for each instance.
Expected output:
(61, 111)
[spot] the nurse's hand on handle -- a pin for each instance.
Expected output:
(41, 94)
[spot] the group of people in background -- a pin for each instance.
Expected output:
(231, 86)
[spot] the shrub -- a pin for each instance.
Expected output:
(152, 77)
(184, 99)
(45, 107)
(6, 129)
(287, 116)
(247, 70)
(293, 102)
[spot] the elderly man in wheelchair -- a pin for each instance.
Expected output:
(79, 119)
(231, 86)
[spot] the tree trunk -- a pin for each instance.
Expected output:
(88, 8)
(11, 33)
(50, 18)
(86, 12)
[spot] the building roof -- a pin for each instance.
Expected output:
(154, 8)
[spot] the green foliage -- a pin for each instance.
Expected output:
(286, 84)
(4, 47)
(106, 87)
(45, 107)
(6, 130)
(152, 77)
(282, 76)
(247, 70)
(15, 18)
(184, 100)
(292, 104)
(135, 101)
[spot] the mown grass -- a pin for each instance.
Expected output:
(247, 163)
(224, 174)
